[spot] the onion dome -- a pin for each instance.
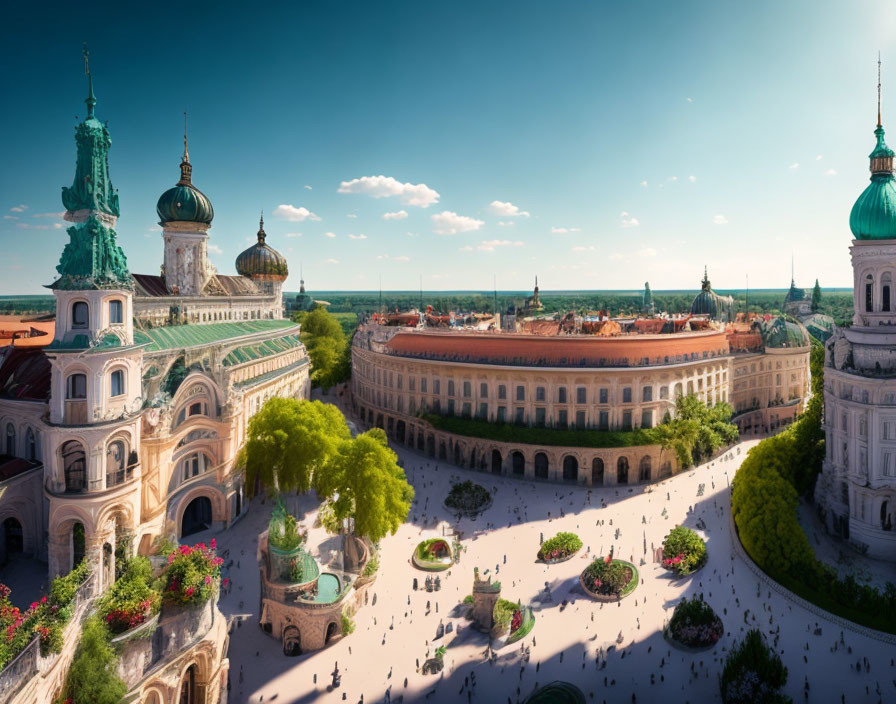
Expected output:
(185, 202)
(261, 261)
(785, 333)
(711, 304)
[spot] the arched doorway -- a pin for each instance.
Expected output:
(518, 462)
(541, 466)
(74, 464)
(431, 445)
(622, 470)
(496, 462)
(644, 469)
(400, 431)
(13, 537)
(570, 469)
(197, 516)
(331, 631)
(292, 642)
(443, 450)
(188, 693)
(597, 472)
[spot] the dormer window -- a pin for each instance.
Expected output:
(116, 312)
(80, 315)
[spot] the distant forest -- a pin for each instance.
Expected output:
(834, 302)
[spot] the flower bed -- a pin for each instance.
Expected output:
(512, 620)
(684, 552)
(694, 624)
(521, 624)
(46, 617)
(608, 580)
(559, 548)
(193, 573)
(131, 600)
(433, 554)
(468, 497)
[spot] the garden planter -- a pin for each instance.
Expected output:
(629, 588)
(558, 560)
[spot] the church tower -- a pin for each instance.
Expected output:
(92, 442)
(185, 214)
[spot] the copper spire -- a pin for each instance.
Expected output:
(186, 151)
(879, 123)
(186, 169)
(261, 233)
(91, 99)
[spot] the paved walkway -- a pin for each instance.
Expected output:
(614, 652)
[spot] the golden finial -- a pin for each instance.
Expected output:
(186, 151)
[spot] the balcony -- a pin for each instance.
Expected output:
(75, 412)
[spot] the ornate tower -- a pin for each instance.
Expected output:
(858, 480)
(266, 267)
(92, 442)
(185, 214)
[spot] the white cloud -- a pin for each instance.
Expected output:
(10, 217)
(57, 225)
(583, 249)
(628, 220)
(29, 226)
(795, 165)
(400, 215)
(450, 223)
(830, 172)
(48, 215)
(506, 223)
(357, 237)
(331, 261)
(647, 252)
(307, 187)
(720, 219)
(491, 245)
(507, 210)
(294, 214)
(690, 100)
(644, 184)
(564, 230)
(214, 249)
(293, 234)
(402, 258)
(331, 235)
(672, 178)
(351, 215)
(819, 158)
(692, 179)
(418, 194)
(18, 208)
(468, 248)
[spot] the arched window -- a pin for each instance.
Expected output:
(869, 293)
(194, 464)
(116, 312)
(116, 461)
(10, 440)
(542, 467)
(116, 383)
(644, 469)
(570, 469)
(80, 315)
(885, 283)
(622, 470)
(76, 386)
(74, 464)
(30, 445)
(597, 472)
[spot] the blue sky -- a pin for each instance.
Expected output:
(595, 144)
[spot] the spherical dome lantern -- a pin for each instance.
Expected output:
(261, 261)
(873, 217)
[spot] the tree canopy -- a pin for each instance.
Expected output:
(289, 440)
(753, 673)
(93, 675)
(697, 430)
(366, 487)
(327, 346)
(816, 297)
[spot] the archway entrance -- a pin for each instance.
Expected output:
(597, 472)
(13, 537)
(519, 462)
(197, 516)
(292, 642)
(622, 470)
(496, 462)
(188, 689)
(570, 469)
(644, 469)
(331, 631)
(541, 466)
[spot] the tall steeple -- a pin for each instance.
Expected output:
(882, 156)
(186, 168)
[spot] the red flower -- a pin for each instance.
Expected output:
(214, 544)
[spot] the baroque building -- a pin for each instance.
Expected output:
(856, 492)
(124, 429)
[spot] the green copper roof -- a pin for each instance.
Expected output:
(184, 204)
(785, 333)
(711, 304)
(794, 294)
(92, 259)
(183, 336)
(262, 260)
(873, 217)
(250, 353)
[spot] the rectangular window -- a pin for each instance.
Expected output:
(502, 414)
(437, 386)
(646, 419)
(581, 395)
(627, 394)
(423, 384)
(562, 420)
(604, 395)
(502, 392)
(580, 419)
(520, 393)
(603, 422)
(450, 406)
(451, 387)
(539, 417)
(117, 383)
(539, 394)
(115, 313)
(483, 411)
(412, 407)
(465, 412)
(626, 420)
(519, 415)
(412, 385)
(467, 389)
(647, 393)
(483, 390)
(399, 382)
(561, 395)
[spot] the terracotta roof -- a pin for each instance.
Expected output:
(222, 285)
(571, 351)
(21, 333)
(25, 374)
(13, 466)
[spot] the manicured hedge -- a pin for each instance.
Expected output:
(560, 546)
(753, 673)
(683, 551)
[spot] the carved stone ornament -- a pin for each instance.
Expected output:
(842, 353)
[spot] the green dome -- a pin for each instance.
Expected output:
(873, 216)
(711, 304)
(783, 333)
(261, 260)
(184, 202)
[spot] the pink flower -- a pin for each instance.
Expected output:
(208, 579)
(214, 544)
(189, 591)
(171, 558)
(43, 600)
(226, 581)
(34, 606)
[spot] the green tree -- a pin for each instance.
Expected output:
(289, 440)
(366, 490)
(93, 675)
(816, 297)
(697, 430)
(327, 347)
(753, 673)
